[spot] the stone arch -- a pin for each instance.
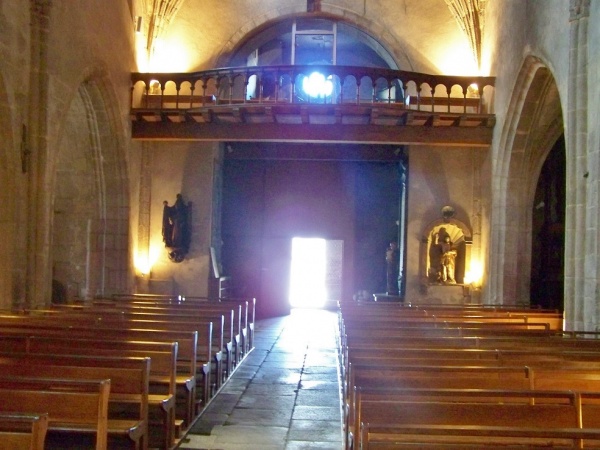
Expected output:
(371, 27)
(90, 250)
(534, 123)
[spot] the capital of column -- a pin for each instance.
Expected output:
(41, 7)
(579, 9)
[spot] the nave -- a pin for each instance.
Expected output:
(284, 396)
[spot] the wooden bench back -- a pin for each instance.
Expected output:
(82, 403)
(188, 376)
(23, 431)
(162, 354)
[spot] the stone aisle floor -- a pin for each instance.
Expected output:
(284, 396)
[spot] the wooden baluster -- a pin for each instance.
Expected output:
(373, 90)
(203, 91)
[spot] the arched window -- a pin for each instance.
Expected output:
(319, 42)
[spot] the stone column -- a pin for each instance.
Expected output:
(580, 302)
(39, 273)
(145, 203)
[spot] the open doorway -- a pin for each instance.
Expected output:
(315, 272)
(548, 231)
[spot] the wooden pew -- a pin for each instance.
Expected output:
(23, 431)
(197, 302)
(573, 376)
(116, 317)
(232, 318)
(378, 409)
(129, 385)
(194, 302)
(378, 335)
(73, 406)
(379, 405)
(386, 394)
(431, 377)
(100, 318)
(162, 376)
(393, 312)
(388, 436)
(379, 342)
(186, 353)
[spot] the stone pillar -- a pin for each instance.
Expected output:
(39, 272)
(145, 202)
(580, 302)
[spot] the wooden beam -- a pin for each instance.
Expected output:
(469, 136)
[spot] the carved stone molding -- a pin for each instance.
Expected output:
(470, 15)
(157, 16)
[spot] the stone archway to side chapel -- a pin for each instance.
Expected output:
(533, 127)
(90, 216)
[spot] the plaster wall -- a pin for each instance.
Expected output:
(185, 168)
(99, 37)
(515, 30)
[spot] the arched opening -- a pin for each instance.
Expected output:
(89, 232)
(533, 128)
(320, 42)
(548, 232)
(312, 40)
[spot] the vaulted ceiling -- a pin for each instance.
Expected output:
(434, 36)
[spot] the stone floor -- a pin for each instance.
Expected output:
(284, 396)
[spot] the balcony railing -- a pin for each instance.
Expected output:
(268, 84)
(284, 95)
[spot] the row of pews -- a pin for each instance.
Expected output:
(441, 377)
(132, 371)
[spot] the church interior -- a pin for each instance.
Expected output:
(237, 162)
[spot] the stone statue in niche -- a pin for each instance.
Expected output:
(176, 229)
(392, 256)
(448, 261)
(442, 254)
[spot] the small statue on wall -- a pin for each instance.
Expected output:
(445, 250)
(392, 256)
(448, 261)
(176, 229)
(443, 255)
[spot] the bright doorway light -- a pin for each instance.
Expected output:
(307, 280)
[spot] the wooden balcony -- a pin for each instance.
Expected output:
(363, 105)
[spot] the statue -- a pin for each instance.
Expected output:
(392, 263)
(448, 261)
(176, 229)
